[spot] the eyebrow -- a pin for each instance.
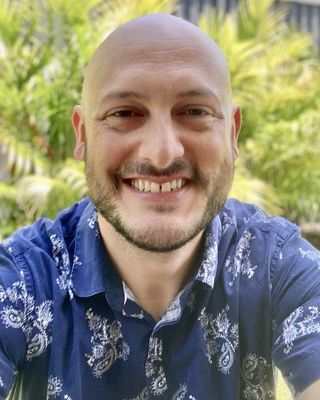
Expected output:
(124, 94)
(194, 92)
(200, 91)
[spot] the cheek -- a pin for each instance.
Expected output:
(209, 152)
(109, 150)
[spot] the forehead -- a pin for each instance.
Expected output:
(161, 57)
(155, 63)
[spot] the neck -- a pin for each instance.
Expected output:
(154, 278)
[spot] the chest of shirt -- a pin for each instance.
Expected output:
(92, 349)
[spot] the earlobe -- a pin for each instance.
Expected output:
(79, 131)
(236, 126)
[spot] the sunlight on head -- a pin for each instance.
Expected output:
(148, 34)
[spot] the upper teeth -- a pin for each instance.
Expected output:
(154, 187)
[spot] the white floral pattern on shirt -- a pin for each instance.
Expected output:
(23, 313)
(241, 264)
(313, 255)
(255, 372)
(54, 387)
(61, 258)
(154, 368)
(227, 221)
(221, 338)
(299, 323)
(8, 243)
(181, 393)
(107, 344)
(208, 267)
(76, 260)
(92, 222)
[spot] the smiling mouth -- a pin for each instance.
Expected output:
(143, 185)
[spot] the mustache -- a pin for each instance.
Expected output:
(178, 166)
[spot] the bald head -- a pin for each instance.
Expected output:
(157, 107)
(158, 39)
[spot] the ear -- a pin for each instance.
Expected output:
(80, 133)
(236, 126)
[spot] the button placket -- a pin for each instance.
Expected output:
(156, 378)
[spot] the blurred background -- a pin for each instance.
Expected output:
(273, 51)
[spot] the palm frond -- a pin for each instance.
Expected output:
(122, 11)
(11, 216)
(258, 19)
(11, 21)
(43, 196)
(7, 202)
(21, 158)
(286, 153)
(250, 189)
(72, 173)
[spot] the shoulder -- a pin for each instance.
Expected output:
(249, 216)
(37, 235)
(290, 263)
(29, 252)
(274, 244)
(250, 219)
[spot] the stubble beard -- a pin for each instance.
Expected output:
(103, 190)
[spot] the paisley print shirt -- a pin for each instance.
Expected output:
(70, 329)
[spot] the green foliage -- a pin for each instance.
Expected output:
(10, 214)
(274, 71)
(275, 75)
(47, 194)
(21, 158)
(251, 189)
(294, 164)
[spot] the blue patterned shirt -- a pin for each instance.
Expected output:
(70, 328)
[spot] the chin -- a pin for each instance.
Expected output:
(156, 236)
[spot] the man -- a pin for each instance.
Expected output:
(156, 287)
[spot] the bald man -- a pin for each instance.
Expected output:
(157, 286)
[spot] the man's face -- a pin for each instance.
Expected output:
(160, 142)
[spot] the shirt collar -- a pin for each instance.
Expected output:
(92, 272)
(209, 264)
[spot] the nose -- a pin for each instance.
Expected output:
(161, 143)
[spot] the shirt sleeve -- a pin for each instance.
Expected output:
(15, 304)
(296, 312)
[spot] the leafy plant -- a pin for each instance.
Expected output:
(275, 75)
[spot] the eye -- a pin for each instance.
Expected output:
(197, 117)
(125, 113)
(196, 112)
(124, 119)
